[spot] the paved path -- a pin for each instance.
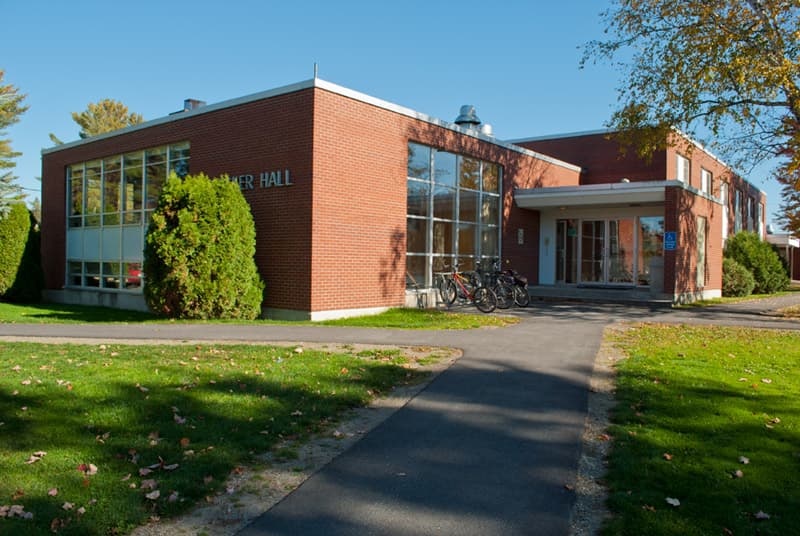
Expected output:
(486, 449)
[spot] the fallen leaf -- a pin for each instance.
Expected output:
(126, 478)
(173, 496)
(25, 382)
(649, 508)
(296, 413)
(178, 419)
(761, 515)
(53, 492)
(142, 388)
(738, 473)
(673, 502)
(67, 506)
(153, 495)
(208, 479)
(17, 495)
(170, 467)
(667, 456)
(766, 380)
(144, 471)
(36, 456)
(744, 460)
(150, 484)
(16, 368)
(185, 442)
(604, 437)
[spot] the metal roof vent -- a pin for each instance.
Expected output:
(192, 104)
(487, 130)
(467, 117)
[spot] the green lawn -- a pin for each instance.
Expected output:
(90, 433)
(400, 318)
(707, 417)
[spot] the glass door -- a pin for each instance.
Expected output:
(593, 246)
(608, 251)
(566, 251)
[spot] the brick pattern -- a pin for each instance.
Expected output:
(335, 239)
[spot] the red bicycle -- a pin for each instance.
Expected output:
(462, 286)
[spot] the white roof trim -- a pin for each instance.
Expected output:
(328, 86)
(565, 135)
(618, 193)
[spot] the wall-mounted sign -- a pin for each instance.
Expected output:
(670, 240)
(265, 179)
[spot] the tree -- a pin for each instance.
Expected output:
(760, 259)
(731, 67)
(199, 251)
(10, 109)
(105, 116)
(21, 277)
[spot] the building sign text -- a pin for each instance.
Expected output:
(265, 179)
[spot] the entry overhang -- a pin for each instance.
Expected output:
(618, 194)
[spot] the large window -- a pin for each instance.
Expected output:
(107, 211)
(684, 169)
(453, 211)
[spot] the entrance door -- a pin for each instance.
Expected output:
(608, 251)
(593, 251)
(566, 251)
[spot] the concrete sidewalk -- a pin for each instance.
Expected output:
(487, 448)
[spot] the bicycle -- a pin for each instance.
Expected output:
(499, 283)
(469, 288)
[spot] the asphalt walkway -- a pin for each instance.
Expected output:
(489, 447)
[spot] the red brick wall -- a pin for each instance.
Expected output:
(335, 239)
(265, 135)
(601, 159)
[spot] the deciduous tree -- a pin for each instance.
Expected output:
(104, 116)
(11, 108)
(729, 67)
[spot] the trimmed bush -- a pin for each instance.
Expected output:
(21, 276)
(736, 279)
(760, 259)
(199, 252)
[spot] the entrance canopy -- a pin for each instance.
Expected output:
(617, 194)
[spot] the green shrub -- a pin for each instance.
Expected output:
(199, 252)
(20, 262)
(760, 259)
(736, 279)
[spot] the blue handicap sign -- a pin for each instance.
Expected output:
(670, 240)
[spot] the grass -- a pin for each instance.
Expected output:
(399, 318)
(693, 403)
(120, 422)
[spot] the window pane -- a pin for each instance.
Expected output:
(133, 274)
(74, 274)
(469, 173)
(490, 209)
(111, 275)
(418, 198)
(93, 193)
(415, 267)
(651, 245)
(419, 161)
(444, 203)
(445, 168)
(76, 194)
(491, 178)
(466, 240)
(468, 206)
(490, 241)
(442, 237)
(416, 232)
(111, 190)
(155, 174)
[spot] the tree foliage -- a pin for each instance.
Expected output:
(104, 116)
(21, 277)
(11, 108)
(729, 66)
(736, 279)
(758, 257)
(199, 251)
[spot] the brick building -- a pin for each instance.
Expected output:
(353, 197)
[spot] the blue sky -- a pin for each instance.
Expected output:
(516, 61)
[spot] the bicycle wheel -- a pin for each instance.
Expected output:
(449, 293)
(484, 299)
(441, 285)
(521, 296)
(505, 295)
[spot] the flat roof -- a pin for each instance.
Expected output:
(327, 86)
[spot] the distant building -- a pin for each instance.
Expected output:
(355, 198)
